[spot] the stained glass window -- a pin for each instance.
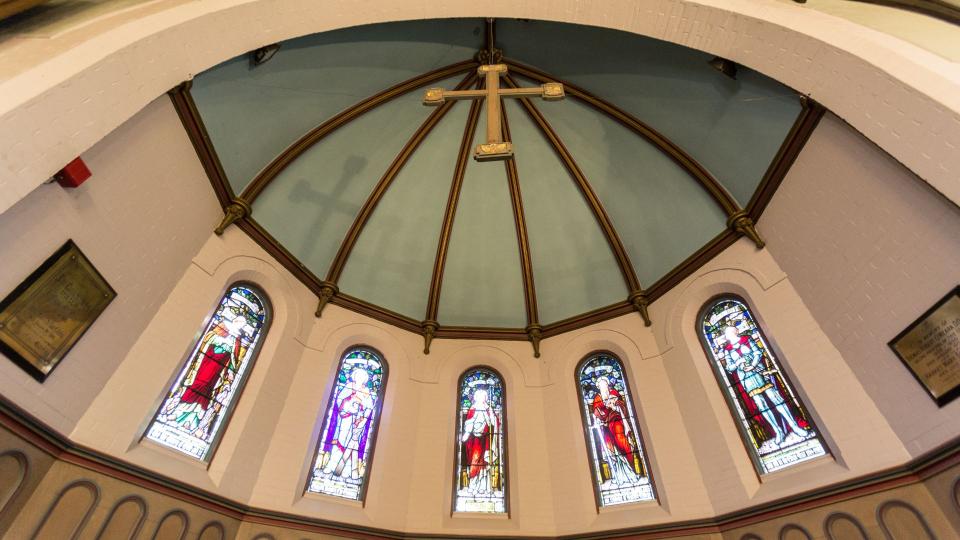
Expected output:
(620, 470)
(481, 482)
(349, 429)
(200, 401)
(777, 427)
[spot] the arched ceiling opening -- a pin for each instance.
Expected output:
(654, 162)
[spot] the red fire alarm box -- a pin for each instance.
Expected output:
(74, 174)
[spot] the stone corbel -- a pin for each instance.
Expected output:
(741, 223)
(535, 333)
(327, 291)
(238, 209)
(641, 303)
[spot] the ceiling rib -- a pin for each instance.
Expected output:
(292, 152)
(193, 123)
(340, 260)
(429, 324)
(719, 194)
(637, 296)
(533, 329)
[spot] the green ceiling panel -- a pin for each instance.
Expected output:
(574, 269)
(392, 262)
(311, 204)
(253, 113)
(661, 213)
(482, 280)
(733, 127)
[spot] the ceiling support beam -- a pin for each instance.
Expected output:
(429, 324)
(533, 329)
(599, 213)
(292, 152)
(193, 124)
(353, 233)
(800, 132)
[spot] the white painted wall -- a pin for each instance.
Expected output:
(140, 218)
(870, 248)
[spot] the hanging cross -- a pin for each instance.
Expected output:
(495, 148)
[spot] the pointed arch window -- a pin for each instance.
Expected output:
(198, 406)
(481, 479)
(617, 460)
(774, 423)
(345, 450)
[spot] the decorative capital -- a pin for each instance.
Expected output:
(641, 302)
(741, 223)
(483, 57)
(493, 151)
(237, 209)
(327, 291)
(552, 91)
(429, 332)
(535, 333)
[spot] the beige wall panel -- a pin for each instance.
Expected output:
(869, 247)
(140, 218)
(38, 463)
(69, 512)
(124, 520)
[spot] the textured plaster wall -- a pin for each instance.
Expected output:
(698, 460)
(901, 96)
(869, 247)
(139, 219)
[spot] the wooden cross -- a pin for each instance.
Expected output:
(495, 148)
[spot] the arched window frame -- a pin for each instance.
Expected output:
(374, 431)
(241, 385)
(586, 429)
(505, 459)
(732, 406)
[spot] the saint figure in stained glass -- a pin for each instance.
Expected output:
(481, 485)
(619, 468)
(195, 409)
(775, 422)
(346, 441)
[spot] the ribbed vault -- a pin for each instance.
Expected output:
(652, 164)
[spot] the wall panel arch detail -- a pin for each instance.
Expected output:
(69, 512)
(126, 516)
(212, 531)
(172, 526)
(842, 526)
(792, 531)
(901, 521)
(14, 467)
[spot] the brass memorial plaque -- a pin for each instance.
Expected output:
(930, 348)
(46, 314)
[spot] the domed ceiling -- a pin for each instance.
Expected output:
(323, 152)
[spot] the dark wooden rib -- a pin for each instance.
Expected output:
(677, 154)
(463, 157)
(623, 260)
(336, 267)
(192, 122)
(800, 132)
(312, 137)
(513, 178)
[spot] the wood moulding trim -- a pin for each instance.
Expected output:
(806, 122)
(34, 432)
(193, 124)
(523, 239)
(449, 214)
(292, 152)
(606, 226)
(340, 260)
(719, 194)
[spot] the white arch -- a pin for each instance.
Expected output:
(903, 98)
